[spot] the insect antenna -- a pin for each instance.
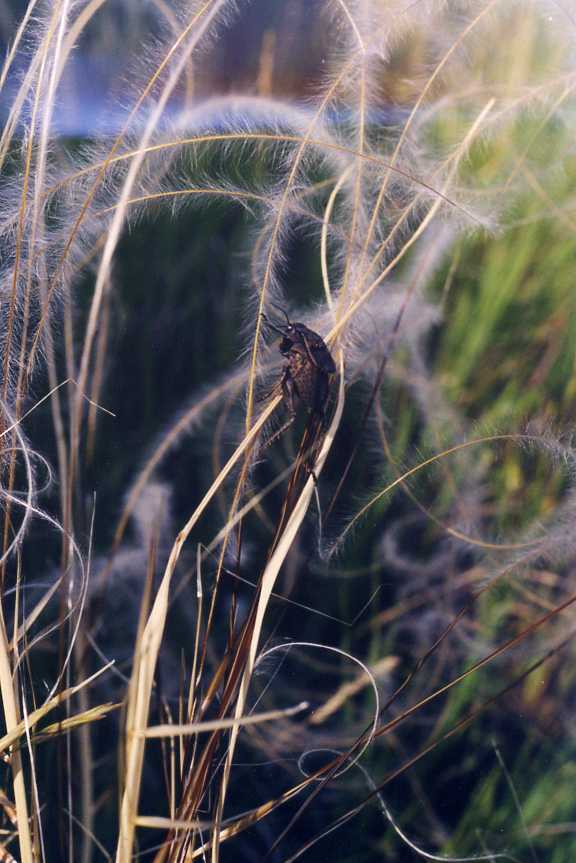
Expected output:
(273, 325)
(283, 311)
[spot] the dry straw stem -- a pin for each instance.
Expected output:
(147, 654)
(19, 730)
(92, 714)
(52, 58)
(157, 822)
(251, 504)
(33, 615)
(383, 668)
(10, 701)
(265, 809)
(267, 585)
(217, 724)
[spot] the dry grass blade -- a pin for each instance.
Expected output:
(267, 586)
(15, 729)
(156, 822)
(93, 714)
(147, 653)
(218, 724)
(382, 668)
(21, 728)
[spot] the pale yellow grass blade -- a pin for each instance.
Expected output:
(91, 715)
(167, 730)
(147, 654)
(33, 718)
(268, 581)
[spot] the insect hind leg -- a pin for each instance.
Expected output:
(279, 432)
(290, 393)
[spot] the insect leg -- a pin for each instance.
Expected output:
(289, 391)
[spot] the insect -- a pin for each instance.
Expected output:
(308, 369)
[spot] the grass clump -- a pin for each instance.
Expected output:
(219, 638)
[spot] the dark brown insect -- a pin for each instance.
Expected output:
(306, 379)
(309, 367)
